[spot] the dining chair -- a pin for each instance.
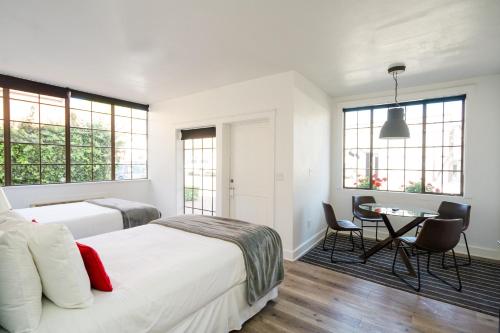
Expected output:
(436, 236)
(341, 226)
(454, 210)
(364, 215)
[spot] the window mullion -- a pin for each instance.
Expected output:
(6, 137)
(113, 142)
(67, 135)
(371, 149)
(424, 131)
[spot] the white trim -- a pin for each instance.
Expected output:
(308, 244)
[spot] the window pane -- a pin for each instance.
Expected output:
(451, 182)
(452, 158)
(52, 174)
(25, 174)
(123, 111)
(81, 119)
(101, 121)
(188, 159)
(413, 159)
(434, 158)
(434, 135)
(433, 180)
(81, 104)
(377, 142)
(351, 119)
(207, 142)
(197, 178)
(413, 181)
(379, 159)
(24, 96)
(123, 140)
(52, 115)
(139, 172)
(363, 179)
(139, 126)
(81, 137)
(453, 111)
(396, 158)
(351, 158)
(139, 156)
(141, 114)
(379, 180)
(123, 124)
(102, 172)
(102, 156)
(379, 117)
(207, 158)
(188, 178)
(364, 159)
(351, 138)
(414, 114)
(197, 143)
(81, 173)
(123, 172)
(123, 156)
(25, 153)
(139, 141)
(453, 134)
(395, 180)
(24, 132)
(350, 178)
(24, 111)
(207, 200)
(101, 138)
(52, 134)
(81, 155)
(364, 118)
(208, 180)
(101, 107)
(364, 138)
(415, 139)
(396, 143)
(52, 100)
(434, 112)
(53, 154)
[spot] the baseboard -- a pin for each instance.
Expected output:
(300, 250)
(476, 251)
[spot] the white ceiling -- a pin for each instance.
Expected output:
(147, 51)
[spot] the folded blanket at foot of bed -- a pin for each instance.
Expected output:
(261, 247)
(133, 213)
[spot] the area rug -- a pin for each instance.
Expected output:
(480, 281)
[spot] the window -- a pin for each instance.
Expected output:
(199, 171)
(430, 161)
(47, 137)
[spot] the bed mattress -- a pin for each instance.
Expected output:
(163, 280)
(83, 219)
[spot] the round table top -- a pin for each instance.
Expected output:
(388, 209)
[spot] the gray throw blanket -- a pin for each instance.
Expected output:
(261, 247)
(133, 213)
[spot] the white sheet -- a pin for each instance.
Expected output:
(165, 280)
(83, 219)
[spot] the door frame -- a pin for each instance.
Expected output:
(223, 142)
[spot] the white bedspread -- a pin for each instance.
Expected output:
(83, 219)
(161, 276)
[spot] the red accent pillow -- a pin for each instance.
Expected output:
(99, 279)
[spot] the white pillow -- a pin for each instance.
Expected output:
(64, 278)
(20, 287)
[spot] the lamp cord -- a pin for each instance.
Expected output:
(395, 77)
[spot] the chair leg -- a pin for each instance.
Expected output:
(345, 261)
(352, 241)
(469, 259)
(326, 236)
(363, 245)
(333, 247)
(376, 232)
(417, 288)
(459, 288)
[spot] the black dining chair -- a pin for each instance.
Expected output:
(454, 210)
(365, 215)
(341, 226)
(435, 236)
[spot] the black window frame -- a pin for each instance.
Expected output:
(424, 103)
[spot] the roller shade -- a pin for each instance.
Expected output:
(198, 133)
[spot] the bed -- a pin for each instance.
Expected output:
(165, 280)
(93, 217)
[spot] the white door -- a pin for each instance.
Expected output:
(251, 184)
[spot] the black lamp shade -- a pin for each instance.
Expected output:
(395, 127)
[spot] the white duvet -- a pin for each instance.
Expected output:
(160, 276)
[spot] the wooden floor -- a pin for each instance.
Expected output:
(314, 299)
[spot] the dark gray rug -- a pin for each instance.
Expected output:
(480, 281)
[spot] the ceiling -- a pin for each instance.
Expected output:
(147, 51)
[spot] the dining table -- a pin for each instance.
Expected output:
(419, 215)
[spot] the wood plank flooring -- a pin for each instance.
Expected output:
(314, 299)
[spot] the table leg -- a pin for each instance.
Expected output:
(405, 258)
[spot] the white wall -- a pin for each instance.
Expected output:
(481, 164)
(311, 162)
(25, 196)
(215, 107)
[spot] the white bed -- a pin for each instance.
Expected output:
(165, 280)
(83, 219)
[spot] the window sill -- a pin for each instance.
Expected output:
(109, 182)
